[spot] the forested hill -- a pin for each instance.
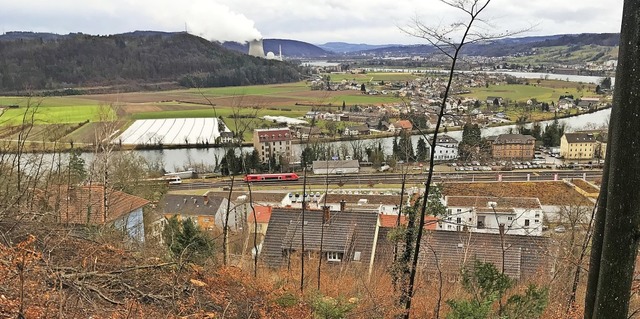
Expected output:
(134, 59)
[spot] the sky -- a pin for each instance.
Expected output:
(313, 21)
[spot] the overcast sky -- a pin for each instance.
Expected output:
(314, 21)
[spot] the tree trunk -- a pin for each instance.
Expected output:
(616, 234)
(225, 229)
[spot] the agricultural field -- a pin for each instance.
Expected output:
(78, 115)
(174, 131)
(547, 91)
(377, 77)
(569, 55)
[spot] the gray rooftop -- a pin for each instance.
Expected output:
(347, 232)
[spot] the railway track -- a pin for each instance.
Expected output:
(438, 177)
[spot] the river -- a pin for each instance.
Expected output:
(175, 159)
(181, 159)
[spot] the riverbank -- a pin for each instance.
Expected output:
(61, 147)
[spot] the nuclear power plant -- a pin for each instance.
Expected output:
(256, 49)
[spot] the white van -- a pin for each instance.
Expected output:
(175, 180)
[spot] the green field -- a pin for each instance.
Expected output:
(222, 111)
(54, 114)
(276, 89)
(521, 93)
(291, 100)
(377, 76)
(568, 55)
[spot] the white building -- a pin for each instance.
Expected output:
(336, 167)
(483, 214)
(446, 148)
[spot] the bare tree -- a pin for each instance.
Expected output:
(225, 230)
(449, 40)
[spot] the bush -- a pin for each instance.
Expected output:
(325, 307)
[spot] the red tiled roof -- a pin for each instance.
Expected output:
(85, 205)
(405, 124)
(269, 135)
(263, 214)
(389, 221)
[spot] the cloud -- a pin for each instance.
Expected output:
(371, 21)
(208, 19)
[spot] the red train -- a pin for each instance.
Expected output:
(271, 177)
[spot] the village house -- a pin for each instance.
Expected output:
(565, 103)
(484, 214)
(401, 125)
(344, 237)
(206, 211)
(258, 224)
(578, 146)
(356, 130)
(311, 115)
(275, 142)
(226, 137)
(305, 132)
(97, 205)
(513, 146)
(525, 257)
(446, 148)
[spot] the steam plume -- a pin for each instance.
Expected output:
(210, 20)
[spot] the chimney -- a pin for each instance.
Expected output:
(343, 205)
(326, 215)
(501, 229)
(205, 198)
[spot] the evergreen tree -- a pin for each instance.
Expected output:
(487, 285)
(422, 151)
(186, 240)
(471, 141)
(406, 147)
(77, 171)
(395, 147)
(552, 134)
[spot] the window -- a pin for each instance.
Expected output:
(537, 215)
(334, 256)
(509, 218)
(537, 221)
(526, 222)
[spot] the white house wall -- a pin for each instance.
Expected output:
(459, 217)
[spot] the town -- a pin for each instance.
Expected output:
(221, 159)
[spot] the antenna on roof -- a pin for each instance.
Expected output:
(185, 28)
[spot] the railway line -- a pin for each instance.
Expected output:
(390, 178)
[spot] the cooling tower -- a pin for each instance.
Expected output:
(256, 49)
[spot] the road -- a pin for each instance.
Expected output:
(438, 177)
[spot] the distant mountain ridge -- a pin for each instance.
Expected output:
(506, 46)
(344, 47)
